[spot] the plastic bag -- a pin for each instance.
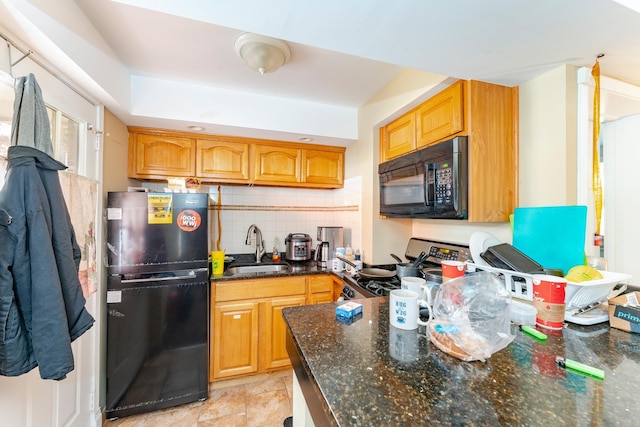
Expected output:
(471, 317)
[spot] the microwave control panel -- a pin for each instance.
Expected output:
(444, 184)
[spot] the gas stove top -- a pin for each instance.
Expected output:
(437, 251)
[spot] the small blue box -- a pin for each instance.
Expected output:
(349, 309)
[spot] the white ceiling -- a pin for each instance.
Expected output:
(343, 52)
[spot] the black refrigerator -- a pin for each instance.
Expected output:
(157, 301)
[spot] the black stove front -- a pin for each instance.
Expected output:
(354, 287)
(360, 287)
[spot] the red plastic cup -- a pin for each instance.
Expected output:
(548, 299)
(452, 270)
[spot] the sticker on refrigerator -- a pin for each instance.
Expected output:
(114, 297)
(114, 214)
(189, 220)
(160, 208)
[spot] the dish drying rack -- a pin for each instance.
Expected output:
(578, 294)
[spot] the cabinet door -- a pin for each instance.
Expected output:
(222, 160)
(276, 165)
(321, 297)
(275, 332)
(441, 116)
(235, 339)
(320, 288)
(162, 156)
(398, 137)
(324, 168)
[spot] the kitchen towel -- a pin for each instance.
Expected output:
(554, 236)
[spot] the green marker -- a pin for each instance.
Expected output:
(580, 367)
(533, 332)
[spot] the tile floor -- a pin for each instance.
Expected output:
(259, 401)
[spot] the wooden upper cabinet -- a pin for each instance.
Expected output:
(222, 160)
(492, 123)
(276, 165)
(323, 168)
(159, 156)
(156, 154)
(441, 116)
(398, 137)
(488, 115)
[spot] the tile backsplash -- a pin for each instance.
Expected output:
(278, 211)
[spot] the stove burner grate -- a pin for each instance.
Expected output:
(382, 288)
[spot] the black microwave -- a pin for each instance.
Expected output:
(428, 183)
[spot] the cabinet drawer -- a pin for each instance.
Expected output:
(231, 290)
(320, 283)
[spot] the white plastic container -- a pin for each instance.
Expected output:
(522, 313)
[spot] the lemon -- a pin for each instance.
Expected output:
(583, 273)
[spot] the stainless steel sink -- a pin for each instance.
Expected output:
(261, 268)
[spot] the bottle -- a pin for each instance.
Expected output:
(358, 261)
(275, 257)
(348, 254)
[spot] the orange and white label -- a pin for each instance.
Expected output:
(188, 220)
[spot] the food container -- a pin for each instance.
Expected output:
(523, 313)
(298, 247)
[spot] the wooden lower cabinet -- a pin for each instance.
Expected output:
(274, 332)
(247, 327)
(248, 331)
(235, 339)
(320, 288)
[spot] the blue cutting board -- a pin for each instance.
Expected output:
(554, 236)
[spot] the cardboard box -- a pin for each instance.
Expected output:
(623, 314)
(349, 309)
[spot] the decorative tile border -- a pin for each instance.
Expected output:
(349, 208)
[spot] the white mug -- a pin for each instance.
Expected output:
(403, 309)
(412, 284)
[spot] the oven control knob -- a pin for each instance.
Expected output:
(348, 292)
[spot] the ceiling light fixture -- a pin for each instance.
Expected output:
(305, 139)
(195, 127)
(263, 54)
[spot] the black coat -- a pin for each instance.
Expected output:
(41, 303)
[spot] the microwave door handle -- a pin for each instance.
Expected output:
(426, 187)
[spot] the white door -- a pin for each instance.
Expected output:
(620, 135)
(27, 400)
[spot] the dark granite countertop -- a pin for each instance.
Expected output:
(298, 268)
(368, 373)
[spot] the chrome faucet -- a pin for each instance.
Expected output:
(260, 251)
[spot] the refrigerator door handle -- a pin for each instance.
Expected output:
(190, 274)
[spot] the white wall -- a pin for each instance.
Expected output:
(380, 237)
(548, 129)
